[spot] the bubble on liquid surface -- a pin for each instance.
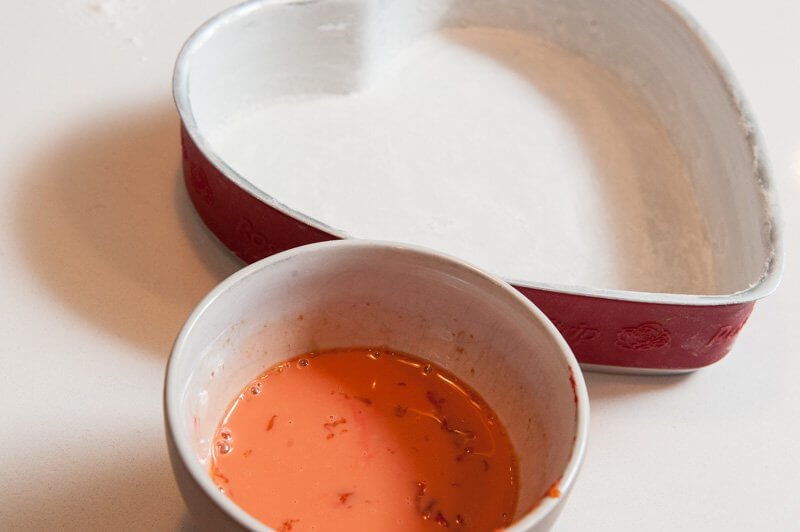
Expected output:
(223, 447)
(225, 434)
(255, 388)
(374, 355)
(302, 362)
(427, 369)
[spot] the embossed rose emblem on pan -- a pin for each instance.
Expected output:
(262, 48)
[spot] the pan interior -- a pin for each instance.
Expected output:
(544, 141)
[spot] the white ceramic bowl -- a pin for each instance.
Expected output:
(361, 293)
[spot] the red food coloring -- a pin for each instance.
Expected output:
(441, 521)
(401, 383)
(344, 496)
(485, 464)
(247, 453)
(422, 487)
(428, 510)
(332, 424)
(466, 434)
(434, 399)
(329, 436)
(400, 411)
(459, 519)
(287, 525)
(364, 400)
(271, 422)
(574, 385)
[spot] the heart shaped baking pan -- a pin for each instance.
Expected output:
(594, 154)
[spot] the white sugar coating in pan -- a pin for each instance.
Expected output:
(496, 147)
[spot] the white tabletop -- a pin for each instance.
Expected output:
(102, 258)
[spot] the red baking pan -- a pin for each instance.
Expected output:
(268, 50)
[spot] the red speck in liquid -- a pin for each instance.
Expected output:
(287, 525)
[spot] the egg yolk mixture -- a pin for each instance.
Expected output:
(365, 439)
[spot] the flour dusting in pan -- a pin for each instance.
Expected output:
(496, 147)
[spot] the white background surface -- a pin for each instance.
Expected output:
(102, 258)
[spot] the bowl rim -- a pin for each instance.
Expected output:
(174, 390)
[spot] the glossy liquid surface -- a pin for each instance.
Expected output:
(365, 439)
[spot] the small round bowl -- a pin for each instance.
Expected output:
(360, 293)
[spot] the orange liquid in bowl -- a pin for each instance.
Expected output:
(365, 439)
